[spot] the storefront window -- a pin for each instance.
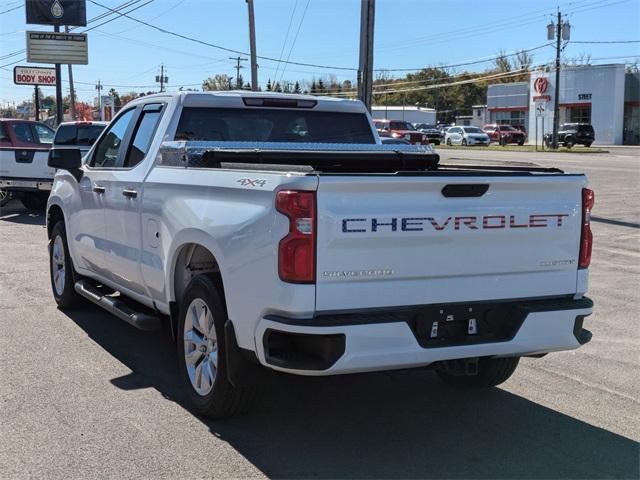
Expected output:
(515, 118)
(580, 114)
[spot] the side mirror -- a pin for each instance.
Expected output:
(65, 158)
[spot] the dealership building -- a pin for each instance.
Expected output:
(606, 96)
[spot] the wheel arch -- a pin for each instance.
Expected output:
(54, 215)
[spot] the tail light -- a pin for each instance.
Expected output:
(297, 251)
(586, 238)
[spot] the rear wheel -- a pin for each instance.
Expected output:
(5, 196)
(588, 144)
(449, 141)
(202, 350)
(491, 372)
(521, 142)
(464, 142)
(568, 143)
(35, 201)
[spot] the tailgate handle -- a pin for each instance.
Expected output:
(465, 190)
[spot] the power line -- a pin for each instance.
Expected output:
(286, 37)
(293, 44)
(605, 41)
(11, 9)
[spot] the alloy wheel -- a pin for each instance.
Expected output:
(200, 347)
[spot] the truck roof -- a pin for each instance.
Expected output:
(234, 99)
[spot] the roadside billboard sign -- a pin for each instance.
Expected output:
(23, 75)
(54, 47)
(56, 12)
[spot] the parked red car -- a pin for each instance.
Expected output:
(401, 129)
(504, 134)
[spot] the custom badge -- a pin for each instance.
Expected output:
(56, 9)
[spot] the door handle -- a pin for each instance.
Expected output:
(98, 189)
(129, 193)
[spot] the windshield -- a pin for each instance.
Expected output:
(401, 126)
(472, 130)
(77, 134)
(271, 125)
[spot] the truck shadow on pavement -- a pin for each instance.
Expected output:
(14, 212)
(384, 425)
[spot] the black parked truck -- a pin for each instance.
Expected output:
(570, 134)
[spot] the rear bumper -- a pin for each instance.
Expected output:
(389, 340)
(26, 184)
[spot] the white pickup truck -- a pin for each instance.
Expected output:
(275, 232)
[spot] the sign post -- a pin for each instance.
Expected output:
(56, 13)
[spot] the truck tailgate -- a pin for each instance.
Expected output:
(389, 240)
(29, 163)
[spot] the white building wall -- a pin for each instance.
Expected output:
(604, 84)
(410, 114)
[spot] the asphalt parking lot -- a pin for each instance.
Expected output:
(84, 395)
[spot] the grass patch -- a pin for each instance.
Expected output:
(523, 148)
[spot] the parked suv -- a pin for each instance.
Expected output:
(504, 134)
(24, 174)
(570, 134)
(401, 129)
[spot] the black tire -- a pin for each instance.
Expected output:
(568, 143)
(521, 143)
(449, 141)
(588, 144)
(223, 400)
(503, 142)
(67, 297)
(464, 142)
(491, 372)
(436, 142)
(5, 197)
(35, 202)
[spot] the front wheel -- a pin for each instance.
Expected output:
(35, 201)
(63, 275)
(449, 141)
(491, 372)
(464, 142)
(202, 349)
(521, 143)
(588, 144)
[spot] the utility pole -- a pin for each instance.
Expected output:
(238, 59)
(99, 89)
(365, 70)
(36, 103)
(252, 46)
(59, 107)
(562, 32)
(72, 92)
(162, 78)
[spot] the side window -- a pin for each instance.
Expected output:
(143, 134)
(23, 132)
(3, 132)
(45, 134)
(107, 150)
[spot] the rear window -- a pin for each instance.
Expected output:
(77, 134)
(507, 128)
(401, 126)
(271, 125)
(585, 128)
(472, 130)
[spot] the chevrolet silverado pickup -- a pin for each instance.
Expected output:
(272, 232)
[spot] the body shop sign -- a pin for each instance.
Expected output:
(34, 76)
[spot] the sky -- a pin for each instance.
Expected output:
(409, 34)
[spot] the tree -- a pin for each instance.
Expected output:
(84, 111)
(314, 88)
(217, 82)
(124, 99)
(269, 86)
(296, 87)
(320, 86)
(117, 101)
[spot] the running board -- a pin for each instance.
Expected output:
(141, 321)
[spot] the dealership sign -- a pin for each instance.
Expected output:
(34, 76)
(56, 12)
(53, 47)
(540, 85)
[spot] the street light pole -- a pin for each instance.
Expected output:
(556, 96)
(365, 70)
